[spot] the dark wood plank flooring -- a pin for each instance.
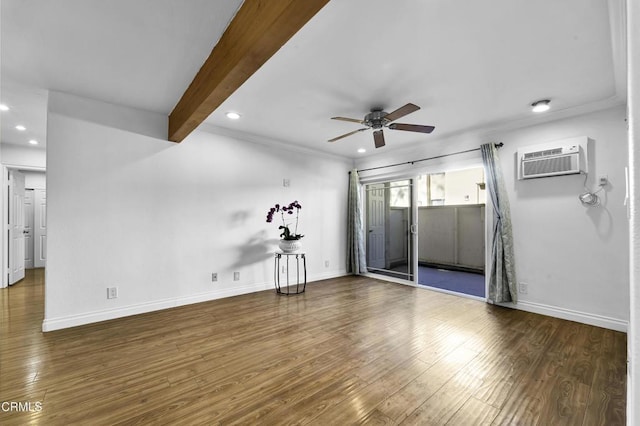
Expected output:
(351, 350)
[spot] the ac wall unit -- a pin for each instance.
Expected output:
(536, 162)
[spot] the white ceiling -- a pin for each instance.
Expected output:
(468, 64)
(139, 53)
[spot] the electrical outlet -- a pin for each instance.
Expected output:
(326, 263)
(524, 288)
(603, 180)
(214, 276)
(286, 183)
(112, 293)
(236, 276)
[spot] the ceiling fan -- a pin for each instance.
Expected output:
(377, 119)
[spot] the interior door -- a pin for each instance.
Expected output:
(376, 213)
(16, 226)
(28, 228)
(40, 228)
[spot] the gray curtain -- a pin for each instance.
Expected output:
(502, 278)
(356, 260)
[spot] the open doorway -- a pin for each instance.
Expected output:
(25, 236)
(451, 236)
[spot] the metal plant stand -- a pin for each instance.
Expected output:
(299, 285)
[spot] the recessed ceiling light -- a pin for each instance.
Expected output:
(21, 127)
(33, 142)
(541, 106)
(362, 150)
(233, 115)
(3, 107)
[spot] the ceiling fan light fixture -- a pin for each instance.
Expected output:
(233, 115)
(541, 106)
(378, 119)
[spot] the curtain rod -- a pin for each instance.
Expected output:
(498, 145)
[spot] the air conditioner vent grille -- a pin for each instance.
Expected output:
(549, 166)
(545, 153)
(556, 158)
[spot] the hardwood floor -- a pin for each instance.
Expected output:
(349, 350)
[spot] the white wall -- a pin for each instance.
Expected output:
(14, 155)
(633, 338)
(34, 179)
(575, 259)
(155, 218)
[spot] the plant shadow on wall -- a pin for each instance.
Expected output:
(239, 218)
(255, 251)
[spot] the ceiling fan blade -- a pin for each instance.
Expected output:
(402, 111)
(378, 138)
(411, 127)
(353, 120)
(347, 134)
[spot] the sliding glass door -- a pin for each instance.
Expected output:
(388, 224)
(451, 223)
(429, 230)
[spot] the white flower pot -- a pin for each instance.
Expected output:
(290, 246)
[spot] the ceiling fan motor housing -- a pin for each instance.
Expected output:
(376, 119)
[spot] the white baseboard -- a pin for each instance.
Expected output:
(52, 324)
(571, 315)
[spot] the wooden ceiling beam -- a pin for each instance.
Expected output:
(258, 30)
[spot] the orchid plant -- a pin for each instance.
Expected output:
(289, 210)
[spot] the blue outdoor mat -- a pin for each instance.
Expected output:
(460, 282)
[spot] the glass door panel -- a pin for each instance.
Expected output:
(388, 225)
(451, 224)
